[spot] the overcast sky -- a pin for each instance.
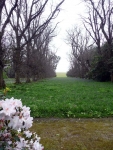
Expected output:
(68, 17)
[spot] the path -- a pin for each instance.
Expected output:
(75, 134)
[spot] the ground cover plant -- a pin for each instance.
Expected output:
(65, 97)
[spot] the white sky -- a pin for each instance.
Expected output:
(68, 17)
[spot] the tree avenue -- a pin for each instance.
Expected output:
(97, 55)
(26, 31)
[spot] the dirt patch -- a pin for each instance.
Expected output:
(75, 134)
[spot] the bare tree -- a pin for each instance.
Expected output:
(91, 24)
(100, 23)
(38, 40)
(37, 49)
(79, 57)
(22, 19)
(3, 23)
(101, 19)
(41, 57)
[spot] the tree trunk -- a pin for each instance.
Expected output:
(110, 48)
(2, 82)
(110, 55)
(28, 65)
(17, 62)
(33, 78)
(17, 77)
(28, 78)
(111, 77)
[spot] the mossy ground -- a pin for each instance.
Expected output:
(75, 134)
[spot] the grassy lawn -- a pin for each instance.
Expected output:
(61, 74)
(66, 97)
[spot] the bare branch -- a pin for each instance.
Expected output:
(8, 17)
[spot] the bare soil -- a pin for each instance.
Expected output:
(75, 134)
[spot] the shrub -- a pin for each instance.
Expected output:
(15, 120)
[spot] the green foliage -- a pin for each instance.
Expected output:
(66, 97)
(102, 64)
(99, 70)
(5, 75)
(110, 64)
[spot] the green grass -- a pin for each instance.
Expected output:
(61, 74)
(66, 97)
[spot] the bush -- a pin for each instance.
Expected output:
(99, 70)
(15, 121)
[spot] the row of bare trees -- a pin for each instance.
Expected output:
(27, 26)
(93, 52)
(80, 55)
